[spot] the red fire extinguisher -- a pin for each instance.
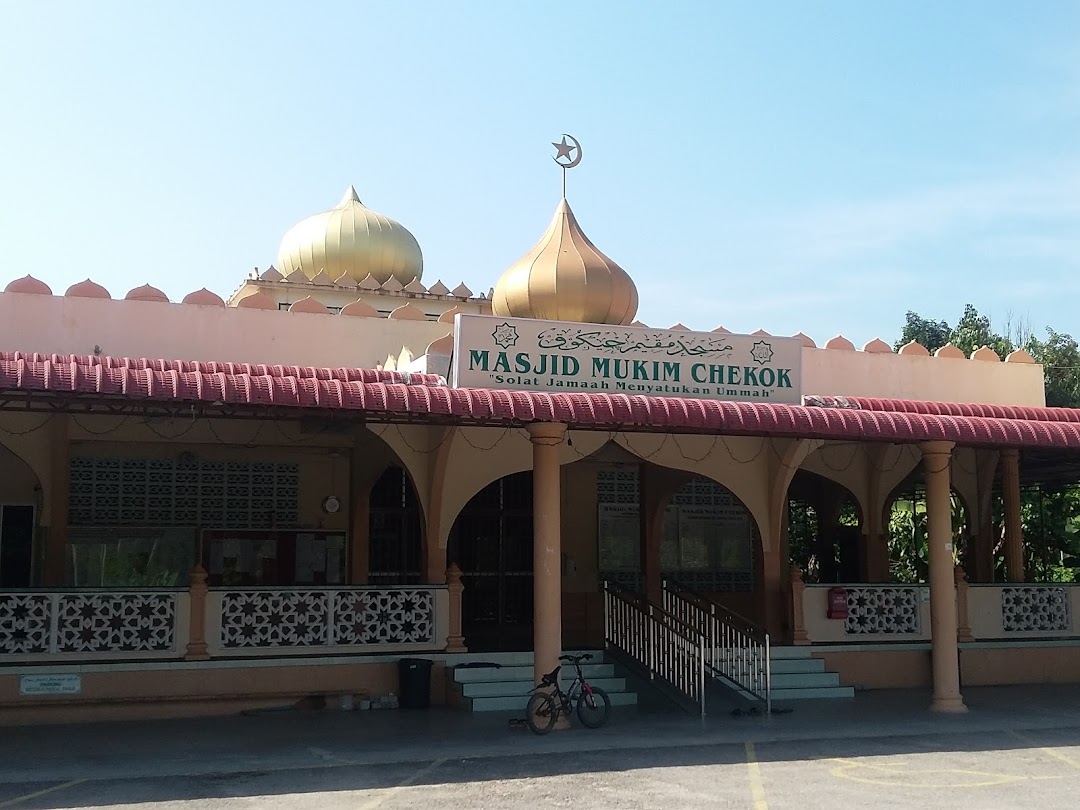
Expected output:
(837, 603)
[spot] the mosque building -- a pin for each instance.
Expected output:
(215, 503)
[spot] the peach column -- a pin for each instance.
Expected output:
(547, 567)
(56, 542)
(1014, 539)
(944, 650)
(197, 593)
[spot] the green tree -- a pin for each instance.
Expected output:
(973, 331)
(931, 334)
(1060, 358)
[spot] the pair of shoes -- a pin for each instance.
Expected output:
(517, 723)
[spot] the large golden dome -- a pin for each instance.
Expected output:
(353, 241)
(566, 278)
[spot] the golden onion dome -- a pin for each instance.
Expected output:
(351, 240)
(566, 278)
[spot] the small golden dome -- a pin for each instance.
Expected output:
(566, 278)
(351, 240)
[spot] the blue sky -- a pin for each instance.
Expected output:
(781, 165)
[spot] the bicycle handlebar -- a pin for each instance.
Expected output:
(573, 659)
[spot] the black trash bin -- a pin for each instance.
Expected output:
(414, 675)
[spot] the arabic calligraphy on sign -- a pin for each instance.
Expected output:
(613, 341)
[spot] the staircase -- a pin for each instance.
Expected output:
(796, 675)
(506, 687)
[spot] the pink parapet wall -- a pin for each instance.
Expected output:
(87, 320)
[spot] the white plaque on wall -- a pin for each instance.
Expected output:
(50, 684)
(557, 357)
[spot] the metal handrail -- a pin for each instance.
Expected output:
(737, 649)
(663, 644)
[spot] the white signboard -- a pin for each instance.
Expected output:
(50, 684)
(530, 355)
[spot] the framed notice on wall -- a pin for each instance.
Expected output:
(619, 534)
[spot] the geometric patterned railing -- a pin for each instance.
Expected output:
(87, 622)
(1028, 608)
(327, 617)
(876, 610)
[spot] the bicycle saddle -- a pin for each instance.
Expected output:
(551, 678)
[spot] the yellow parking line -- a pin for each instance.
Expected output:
(35, 794)
(753, 771)
(1046, 750)
(386, 794)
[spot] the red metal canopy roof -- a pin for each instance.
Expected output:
(389, 395)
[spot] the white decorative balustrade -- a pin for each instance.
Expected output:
(97, 625)
(874, 613)
(877, 613)
(303, 620)
(1024, 611)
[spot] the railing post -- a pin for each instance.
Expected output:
(197, 592)
(963, 628)
(798, 625)
(768, 675)
(607, 616)
(455, 641)
(701, 672)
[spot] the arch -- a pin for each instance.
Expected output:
(904, 524)
(395, 529)
(491, 541)
(826, 524)
(717, 540)
(20, 503)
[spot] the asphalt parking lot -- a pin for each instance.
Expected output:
(954, 771)
(864, 754)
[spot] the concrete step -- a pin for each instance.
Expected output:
(779, 653)
(517, 703)
(816, 693)
(801, 665)
(513, 659)
(516, 673)
(804, 680)
(510, 688)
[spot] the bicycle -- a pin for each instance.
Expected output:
(545, 708)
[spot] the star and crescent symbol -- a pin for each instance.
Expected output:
(565, 152)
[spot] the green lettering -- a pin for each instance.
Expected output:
(478, 358)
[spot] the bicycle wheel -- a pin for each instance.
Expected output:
(593, 709)
(541, 713)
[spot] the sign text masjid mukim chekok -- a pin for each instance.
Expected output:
(530, 355)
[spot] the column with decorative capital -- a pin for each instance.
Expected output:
(1014, 539)
(937, 457)
(455, 641)
(798, 622)
(197, 593)
(546, 438)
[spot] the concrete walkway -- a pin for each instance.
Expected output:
(282, 741)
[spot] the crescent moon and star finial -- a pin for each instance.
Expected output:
(565, 155)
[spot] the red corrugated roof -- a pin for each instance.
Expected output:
(367, 375)
(346, 389)
(964, 409)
